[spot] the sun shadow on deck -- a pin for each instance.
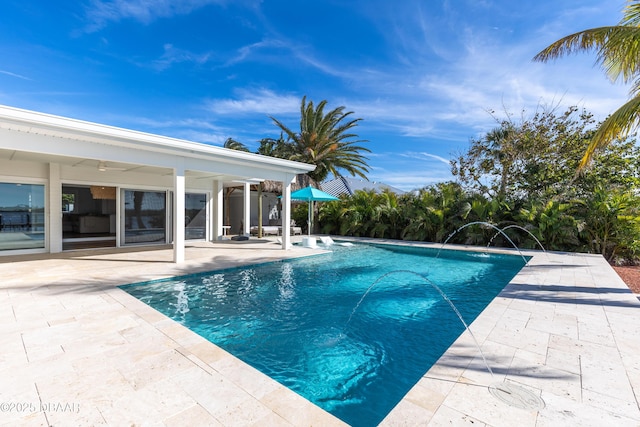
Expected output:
(563, 294)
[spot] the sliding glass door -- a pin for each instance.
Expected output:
(145, 216)
(88, 216)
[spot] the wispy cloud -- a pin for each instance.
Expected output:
(261, 101)
(410, 179)
(190, 129)
(251, 50)
(100, 13)
(173, 55)
(18, 76)
(433, 156)
(409, 170)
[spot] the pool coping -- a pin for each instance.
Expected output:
(565, 328)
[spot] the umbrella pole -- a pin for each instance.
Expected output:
(309, 220)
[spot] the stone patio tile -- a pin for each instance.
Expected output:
(251, 412)
(527, 339)
(428, 394)
(523, 358)
(297, 410)
(13, 352)
(14, 392)
(606, 402)
(142, 333)
(606, 375)
(446, 416)
(73, 414)
(153, 403)
(595, 332)
(35, 419)
(561, 411)
(93, 344)
(180, 334)
(214, 392)
(483, 408)
(208, 352)
(153, 368)
(245, 376)
(194, 415)
(407, 413)
(582, 348)
(624, 326)
(44, 342)
(551, 380)
(74, 388)
(118, 321)
(562, 360)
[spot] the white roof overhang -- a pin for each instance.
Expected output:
(28, 135)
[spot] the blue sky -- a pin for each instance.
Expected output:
(421, 74)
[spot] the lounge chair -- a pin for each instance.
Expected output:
(328, 241)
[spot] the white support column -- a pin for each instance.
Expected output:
(119, 216)
(217, 213)
(209, 223)
(55, 209)
(286, 214)
(246, 217)
(178, 213)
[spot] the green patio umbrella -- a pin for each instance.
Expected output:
(310, 195)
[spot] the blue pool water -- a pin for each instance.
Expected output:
(296, 320)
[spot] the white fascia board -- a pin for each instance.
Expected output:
(50, 125)
(55, 146)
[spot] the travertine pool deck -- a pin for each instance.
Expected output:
(76, 350)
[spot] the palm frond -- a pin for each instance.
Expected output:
(617, 125)
(617, 49)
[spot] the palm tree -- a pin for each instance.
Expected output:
(232, 144)
(501, 145)
(325, 141)
(618, 50)
(275, 147)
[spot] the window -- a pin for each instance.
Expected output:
(22, 218)
(68, 202)
(195, 216)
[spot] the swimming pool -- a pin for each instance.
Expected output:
(305, 323)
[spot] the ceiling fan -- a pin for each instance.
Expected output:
(103, 167)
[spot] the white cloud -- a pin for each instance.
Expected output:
(438, 158)
(173, 55)
(409, 170)
(248, 51)
(411, 179)
(101, 12)
(259, 101)
(18, 76)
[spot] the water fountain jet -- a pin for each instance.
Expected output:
(506, 392)
(442, 294)
(484, 223)
(520, 228)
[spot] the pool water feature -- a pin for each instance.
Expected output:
(295, 320)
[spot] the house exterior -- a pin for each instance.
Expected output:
(67, 183)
